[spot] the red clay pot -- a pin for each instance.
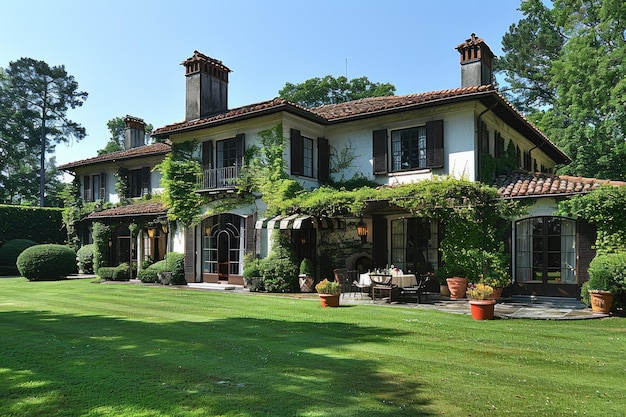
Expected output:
(482, 309)
(457, 287)
(329, 300)
(601, 301)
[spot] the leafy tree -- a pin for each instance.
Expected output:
(566, 63)
(330, 90)
(117, 139)
(35, 99)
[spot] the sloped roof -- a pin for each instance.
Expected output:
(138, 152)
(375, 106)
(520, 185)
(140, 209)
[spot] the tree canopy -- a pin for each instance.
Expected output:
(34, 101)
(116, 141)
(330, 90)
(564, 66)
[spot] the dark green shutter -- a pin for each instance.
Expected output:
(190, 254)
(323, 160)
(207, 154)
(297, 153)
(240, 143)
(434, 144)
(379, 139)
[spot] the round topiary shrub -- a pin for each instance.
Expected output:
(84, 256)
(46, 262)
(11, 250)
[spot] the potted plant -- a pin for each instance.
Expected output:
(495, 272)
(329, 292)
(306, 277)
(252, 274)
(482, 305)
(607, 276)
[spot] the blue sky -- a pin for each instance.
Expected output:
(127, 54)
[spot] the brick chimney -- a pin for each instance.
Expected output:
(476, 62)
(134, 132)
(206, 86)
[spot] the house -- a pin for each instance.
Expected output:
(469, 132)
(129, 172)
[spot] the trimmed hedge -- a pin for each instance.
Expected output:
(174, 263)
(114, 273)
(9, 253)
(41, 224)
(84, 256)
(46, 262)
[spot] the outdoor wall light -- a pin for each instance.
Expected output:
(164, 228)
(361, 230)
(207, 230)
(151, 232)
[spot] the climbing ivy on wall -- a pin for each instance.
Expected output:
(604, 208)
(180, 171)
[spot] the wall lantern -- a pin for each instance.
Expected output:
(361, 230)
(164, 228)
(151, 232)
(207, 230)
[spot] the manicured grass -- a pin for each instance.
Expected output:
(77, 348)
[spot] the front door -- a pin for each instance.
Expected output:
(222, 247)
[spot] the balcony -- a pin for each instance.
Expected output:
(218, 179)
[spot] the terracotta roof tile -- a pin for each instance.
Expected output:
(329, 112)
(139, 152)
(139, 209)
(519, 185)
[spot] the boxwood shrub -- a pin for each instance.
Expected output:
(9, 253)
(46, 262)
(114, 273)
(174, 263)
(84, 256)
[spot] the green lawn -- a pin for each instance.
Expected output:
(84, 349)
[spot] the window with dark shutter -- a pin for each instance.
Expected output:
(87, 195)
(434, 144)
(379, 140)
(190, 254)
(207, 154)
(145, 181)
(103, 187)
(297, 152)
(323, 160)
(500, 151)
(240, 146)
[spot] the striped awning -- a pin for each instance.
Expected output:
(299, 221)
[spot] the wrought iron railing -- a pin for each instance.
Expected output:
(219, 178)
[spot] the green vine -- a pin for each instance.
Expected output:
(604, 208)
(180, 171)
(122, 186)
(101, 236)
(72, 211)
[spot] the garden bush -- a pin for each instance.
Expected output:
(9, 253)
(148, 275)
(607, 272)
(114, 273)
(279, 275)
(46, 262)
(85, 259)
(174, 263)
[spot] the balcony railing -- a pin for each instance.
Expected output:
(219, 178)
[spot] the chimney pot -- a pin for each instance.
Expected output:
(476, 62)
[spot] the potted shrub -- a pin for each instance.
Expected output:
(252, 274)
(607, 276)
(495, 272)
(329, 292)
(306, 277)
(481, 303)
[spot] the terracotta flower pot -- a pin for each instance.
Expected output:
(601, 301)
(457, 287)
(443, 290)
(329, 300)
(497, 293)
(482, 309)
